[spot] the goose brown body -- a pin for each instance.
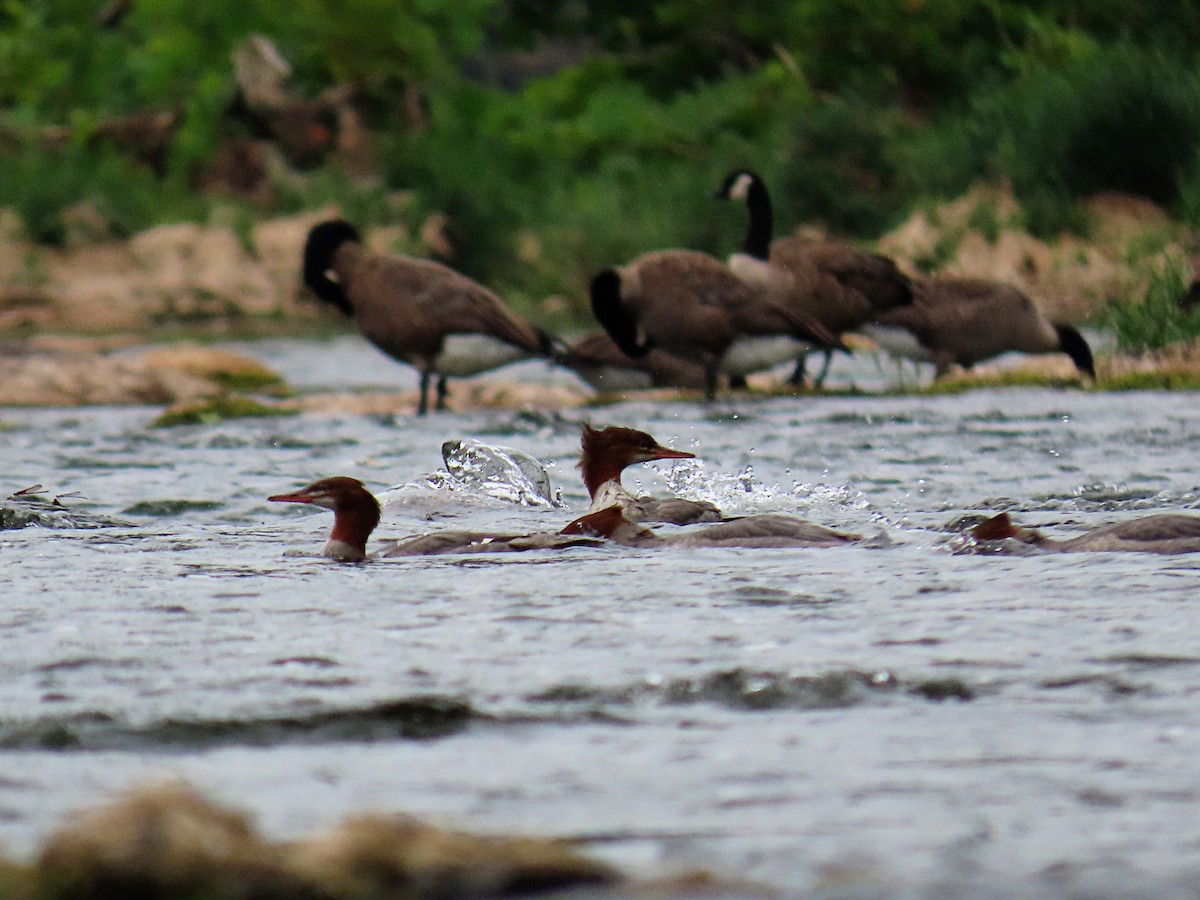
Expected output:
(694, 306)
(598, 360)
(410, 309)
(837, 284)
(969, 320)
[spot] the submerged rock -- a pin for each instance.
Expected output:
(167, 842)
(381, 856)
(163, 842)
(61, 375)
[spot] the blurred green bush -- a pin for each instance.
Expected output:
(611, 139)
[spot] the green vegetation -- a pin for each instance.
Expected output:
(560, 136)
(218, 409)
(1157, 319)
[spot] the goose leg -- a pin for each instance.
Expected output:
(710, 382)
(423, 405)
(441, 393)
(820, 382)
(796, 379)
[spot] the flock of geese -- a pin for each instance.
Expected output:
(682, 318)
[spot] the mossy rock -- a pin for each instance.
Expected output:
(1015, 378)
(219, 409)
(1160, 380)
(230, 371)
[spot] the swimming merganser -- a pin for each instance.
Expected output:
(608, 451)
(762, 531)
(836, 283)
(418, 311)
(1163, 533)
(356, 513)
(691, 304)
(969, 320)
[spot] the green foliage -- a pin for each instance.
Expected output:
(1117, 119)
(1157, 319)
(42, 184)
(854, 111)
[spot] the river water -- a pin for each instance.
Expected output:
(876, 721)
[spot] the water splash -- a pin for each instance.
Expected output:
(743, 491)
(486, 470)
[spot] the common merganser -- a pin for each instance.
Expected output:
(1163, 533)
(606, 454)
(969, 320)
(356, 513)
(762, 531)
(418, 311)
(836, 283)
(691, 304)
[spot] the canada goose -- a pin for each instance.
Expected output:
(416, 310)
(836, 283)
(691, 304)
(969, 320)
(598, 360)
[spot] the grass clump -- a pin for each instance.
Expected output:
(219, 409)
(1158, 318)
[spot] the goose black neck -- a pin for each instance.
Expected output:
(760, 227)
(1075, 346)
(323, 243)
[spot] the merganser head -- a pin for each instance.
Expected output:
(355, 514)
(319, 250)
(1001, 527)
(607, 451)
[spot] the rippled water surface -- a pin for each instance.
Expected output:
(880, 720)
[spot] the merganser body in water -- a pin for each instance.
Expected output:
(764, 531)
(418, 311)
(1164, 533)
(608, 451)
(356, 514)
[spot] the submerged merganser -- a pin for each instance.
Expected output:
(356, 513)
(1163, 533)
(763, 531)
(608, 451)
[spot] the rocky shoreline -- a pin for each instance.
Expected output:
(78, 318)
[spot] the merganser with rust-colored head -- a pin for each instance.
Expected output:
(356, 513)
(607, 452)
(765, 531)
(1165, 533)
